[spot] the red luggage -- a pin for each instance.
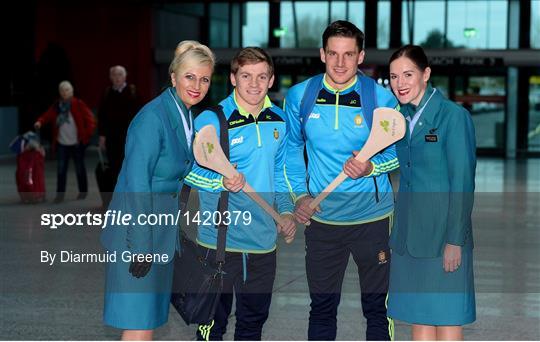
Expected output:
(30, 176)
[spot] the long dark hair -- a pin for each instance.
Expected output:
(413, 52)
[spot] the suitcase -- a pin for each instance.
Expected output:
(105, 180)
(30, 176)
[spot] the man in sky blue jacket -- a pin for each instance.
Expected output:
(356, 218)
(257, 143)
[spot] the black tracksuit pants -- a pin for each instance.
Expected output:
(327, 253)
(251, 278)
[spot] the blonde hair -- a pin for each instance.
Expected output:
(190, 52)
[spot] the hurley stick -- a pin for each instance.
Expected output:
(387, 128)
(209, 154)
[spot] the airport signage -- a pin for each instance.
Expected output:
(467, 61)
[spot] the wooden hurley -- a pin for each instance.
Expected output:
(388, 127)
(208, 153)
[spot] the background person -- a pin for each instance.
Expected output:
(118, 106)
(72, 125)
(159, 154)
(431, 277)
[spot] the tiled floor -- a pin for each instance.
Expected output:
(65, 301)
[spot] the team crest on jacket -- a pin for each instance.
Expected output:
(276, 134)
(382, 258)
(358, 120)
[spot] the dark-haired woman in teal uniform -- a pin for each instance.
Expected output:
(431, 273)
(158, 155)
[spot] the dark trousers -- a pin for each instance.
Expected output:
(327, 253)
(64, 153)
(115, 156)
(251, 278)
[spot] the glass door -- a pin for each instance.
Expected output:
(485, 98)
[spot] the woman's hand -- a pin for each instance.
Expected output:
(235, 183)
(451, 257)
(139, 269)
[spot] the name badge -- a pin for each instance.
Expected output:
(431, 138)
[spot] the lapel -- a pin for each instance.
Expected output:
(426, 120)
(175, 120)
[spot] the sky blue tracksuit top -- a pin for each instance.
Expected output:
(257, 146)
(336, 127)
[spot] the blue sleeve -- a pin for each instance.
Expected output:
(283, 197)
(142, 153)
(200, 177)
(385, 161)
(295, 166)
(461, 152)
(385, 98)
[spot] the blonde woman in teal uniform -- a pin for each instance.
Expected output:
(158, 155)
(431, 274)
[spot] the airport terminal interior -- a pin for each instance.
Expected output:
(485, 55)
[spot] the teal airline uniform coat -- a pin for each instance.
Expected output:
(157, 160)
(437, 170)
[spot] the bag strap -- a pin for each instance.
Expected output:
(368, 98)
(223, 203)
(308, 100)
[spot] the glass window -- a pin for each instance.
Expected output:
(219, 25)
(338, 11)
(425, 20)
(471, 24)
(535, 24)
(357, 10)
(485, 98)
(312, 17)
(478, 24)
(352, 11)
(383, 24)
(311, 20)
(255, 29)
(533, 135)
(442, 83)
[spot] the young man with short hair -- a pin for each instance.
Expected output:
(356, 218)
(257, 142)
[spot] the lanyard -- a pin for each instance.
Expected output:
(416, 116)
(188, 130)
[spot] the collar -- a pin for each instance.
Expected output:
(173, 111)
(332, 89)
(267, 104)
(180, 102)
(409, 109)
(121, 88)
